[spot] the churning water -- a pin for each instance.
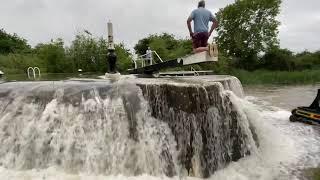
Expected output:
(148, 129)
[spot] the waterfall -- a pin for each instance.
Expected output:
(209, 129)
(128, 127)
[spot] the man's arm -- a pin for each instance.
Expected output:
(189, 26)
(213, 26)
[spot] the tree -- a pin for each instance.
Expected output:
(12, 43)
(248, 27)
(307, 60)
(278, 59)
(88, 53)
(166, 45)
(124, 58)
(54, 57)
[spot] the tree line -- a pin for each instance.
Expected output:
(85, 52)
(247, 39)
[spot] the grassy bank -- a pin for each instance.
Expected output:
(313, 174)
(19, 63)
(277, 77)
(316, 175)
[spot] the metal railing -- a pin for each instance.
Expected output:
(194, 71)
(33, 72)
(146, 60)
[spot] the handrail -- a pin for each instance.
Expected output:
(34, 69)
(155, 52)
(143, 59)
(157, 55)
(34, 74)
(195, 72)
(38, 69)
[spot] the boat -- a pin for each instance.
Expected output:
(310, 115)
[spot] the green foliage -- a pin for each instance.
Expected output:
(317, 175)
(12, 43)
(143, 44)
(88, 54)
(285, 60)
(246, 28)
(277, 77)
(312, 173)
(124, 57)
(278, 59)
(223, 66)
(166, 45)
(307, 60)
(53, 56)
(18, 63)
(85, 52)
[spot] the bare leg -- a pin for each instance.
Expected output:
(200, 49)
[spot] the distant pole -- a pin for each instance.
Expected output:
(110, 36)
(112, 57)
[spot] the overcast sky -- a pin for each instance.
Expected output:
(41, 20)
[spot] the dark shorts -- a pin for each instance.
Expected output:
(200, 39)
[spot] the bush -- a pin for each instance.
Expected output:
(54, 57)
(166, 45)
(18, 63)
(278, 59)
(223, 66)
(277, 77)
(124, 58)
(307, 60)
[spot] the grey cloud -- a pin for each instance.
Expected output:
(300, 25)
(41, 20)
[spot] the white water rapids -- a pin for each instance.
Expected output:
(285, 148)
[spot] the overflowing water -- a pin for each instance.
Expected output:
(148, 129)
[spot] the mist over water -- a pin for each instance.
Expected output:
(72, 130)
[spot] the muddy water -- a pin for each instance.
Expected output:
(286, 97)
(283, 99)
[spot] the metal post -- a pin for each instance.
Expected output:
(112, 57)
(110, 36)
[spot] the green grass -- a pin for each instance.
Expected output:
(312, 174)
(18, 63)
(278, 77)
(317, 175)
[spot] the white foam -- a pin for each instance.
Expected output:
(283, 146)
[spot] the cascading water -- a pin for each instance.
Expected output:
(209, 130)
(138, 129)
(81, 128)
